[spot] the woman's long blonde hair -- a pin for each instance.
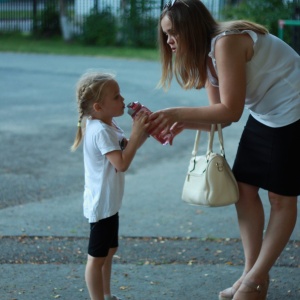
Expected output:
(89, 90)
(195, 27)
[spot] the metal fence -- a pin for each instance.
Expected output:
(27, 15)
(135, 20)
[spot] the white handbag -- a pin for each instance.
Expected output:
(209, 180)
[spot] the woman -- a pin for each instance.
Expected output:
(241, 65)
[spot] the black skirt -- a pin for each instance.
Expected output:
(269, 158)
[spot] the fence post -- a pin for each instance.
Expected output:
(96, 6)
(296, 30)
(280, 29)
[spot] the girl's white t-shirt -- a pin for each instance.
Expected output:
(104, 185)
(273, 79)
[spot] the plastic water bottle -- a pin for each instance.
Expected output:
(135, 107)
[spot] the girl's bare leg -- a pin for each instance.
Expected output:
(93, 277)
(106, 271)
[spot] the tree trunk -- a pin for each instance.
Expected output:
(64, 22)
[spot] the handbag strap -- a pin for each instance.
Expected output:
(210, 141)
(196, 144)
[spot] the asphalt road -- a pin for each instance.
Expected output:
(38, 120)
(166, 246)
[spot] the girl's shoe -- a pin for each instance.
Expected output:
(250, 290)
(228, 293)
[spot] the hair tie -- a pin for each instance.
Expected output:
(79, 124)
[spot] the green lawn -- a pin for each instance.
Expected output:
(28, 44)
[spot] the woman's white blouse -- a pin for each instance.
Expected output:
(273, 79)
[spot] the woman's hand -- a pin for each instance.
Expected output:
(174, 130)
(161, 121)
(177, 128)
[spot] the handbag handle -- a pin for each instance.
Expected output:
(210, 141)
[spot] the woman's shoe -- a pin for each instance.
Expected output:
(250, 290)
(228, 293)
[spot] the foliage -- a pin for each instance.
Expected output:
(99, 28)
(48, 24)
(266, 12)
(138, 27)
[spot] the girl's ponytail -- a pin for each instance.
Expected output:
(79, 135)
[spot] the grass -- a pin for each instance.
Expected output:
(28, 44)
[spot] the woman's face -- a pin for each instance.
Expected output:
(167, 28)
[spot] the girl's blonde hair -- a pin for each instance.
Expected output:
(89, 90)
(195, 27)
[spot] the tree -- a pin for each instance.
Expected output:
(266, 12)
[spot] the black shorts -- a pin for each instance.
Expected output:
(269, 157)
(103, 236)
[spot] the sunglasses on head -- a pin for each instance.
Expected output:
(169, 4)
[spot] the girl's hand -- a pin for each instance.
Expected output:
(140, 126)
(122, 159)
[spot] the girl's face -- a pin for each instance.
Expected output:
(112, 103)
(167, 28)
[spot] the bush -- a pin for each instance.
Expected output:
(99, 28)
(266, 12)
(138, 28)
(48, 24)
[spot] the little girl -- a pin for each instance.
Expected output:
(107, 155)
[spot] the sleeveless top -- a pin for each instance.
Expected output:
(273, 79)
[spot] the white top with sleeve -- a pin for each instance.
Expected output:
(104, 185)
(273, 79)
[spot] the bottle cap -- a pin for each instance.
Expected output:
(133, 107)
